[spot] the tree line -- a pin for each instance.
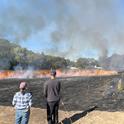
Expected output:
(13, 56)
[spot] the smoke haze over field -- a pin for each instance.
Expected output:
(78, 27)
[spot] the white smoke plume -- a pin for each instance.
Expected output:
(80, 24)
(21, 73)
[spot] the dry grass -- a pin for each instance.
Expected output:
(38, 116)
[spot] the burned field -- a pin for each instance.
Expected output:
(78, 93)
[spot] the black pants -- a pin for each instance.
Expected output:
(52, 112)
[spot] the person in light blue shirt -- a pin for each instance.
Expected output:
(22, 102)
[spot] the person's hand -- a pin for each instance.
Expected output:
(28, 109)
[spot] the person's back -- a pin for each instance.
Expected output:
(52, 90)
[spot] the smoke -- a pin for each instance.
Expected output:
(21, 73)
(20, 23)
(79, 24)
(85, 25)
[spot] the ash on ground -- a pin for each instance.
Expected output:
(78, 93)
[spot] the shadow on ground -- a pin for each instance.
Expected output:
(77, 116)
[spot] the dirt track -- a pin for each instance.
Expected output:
(38, 116)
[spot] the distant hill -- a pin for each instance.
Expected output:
(6, 46)
(6, 54)
(114, 62)
(13, 56)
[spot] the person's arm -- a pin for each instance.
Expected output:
(59, 87)
(14, 100)
(30, 99)
(59, 90)
(45, 89)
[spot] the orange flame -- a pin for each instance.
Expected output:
(45, 73)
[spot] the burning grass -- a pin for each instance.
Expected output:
(60, 73)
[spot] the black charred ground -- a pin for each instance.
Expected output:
(78, 93)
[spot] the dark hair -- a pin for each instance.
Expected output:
(53, 72)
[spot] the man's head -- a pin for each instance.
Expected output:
(53, 73)
(23, 86)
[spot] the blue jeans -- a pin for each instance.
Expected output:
(22, 116)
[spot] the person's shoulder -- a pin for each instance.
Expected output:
(57, 80)
(48, 81)
(29, 93)
(17, 93)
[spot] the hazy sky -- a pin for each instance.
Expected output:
(68, 28)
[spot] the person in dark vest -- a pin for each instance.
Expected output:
(52, 95)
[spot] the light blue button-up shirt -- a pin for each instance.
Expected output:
(22, 100)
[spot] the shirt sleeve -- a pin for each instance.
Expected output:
(14, 100)
(45, 89)
(30, 99)
(59, 86)
(59, 90)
